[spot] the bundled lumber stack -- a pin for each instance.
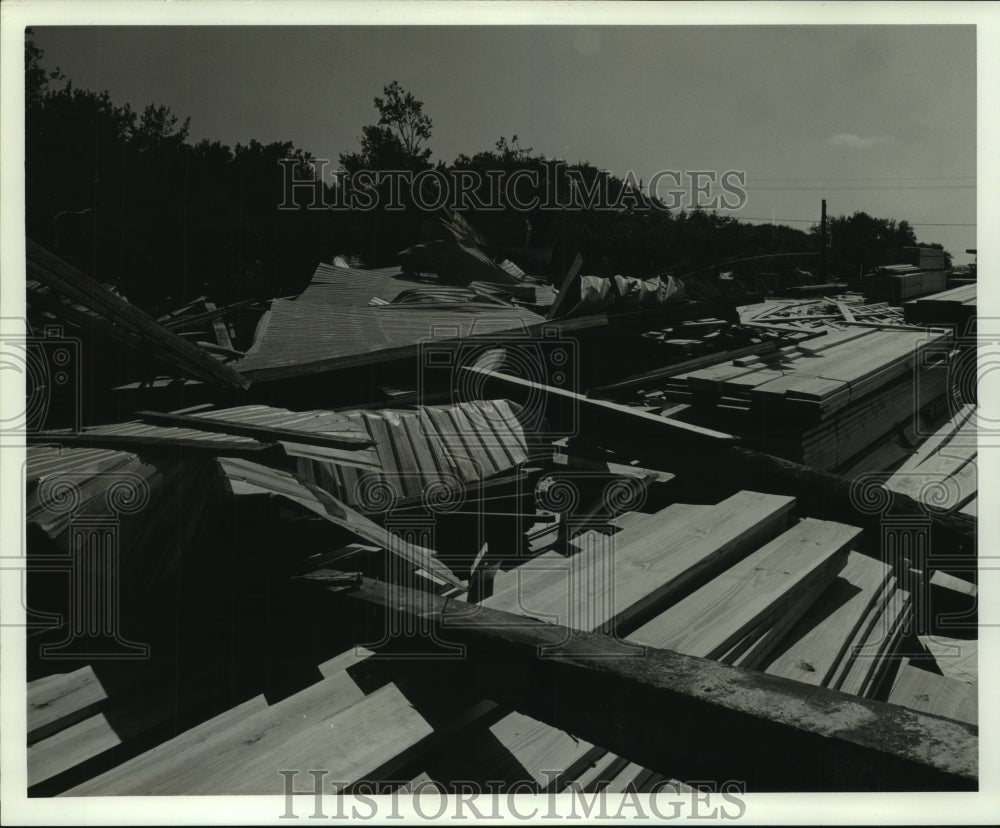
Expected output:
(950, 307)
(897, 283)
(943, 470)
(822, 401)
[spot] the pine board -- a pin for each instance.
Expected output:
(928, 692)
(709, 621)
(819, 640)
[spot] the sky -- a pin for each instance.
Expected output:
(873, 118)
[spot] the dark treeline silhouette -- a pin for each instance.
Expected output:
(129, 199)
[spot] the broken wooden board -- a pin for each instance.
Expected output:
(243, 478)
(956, 658)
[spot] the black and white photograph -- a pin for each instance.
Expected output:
(518, 412)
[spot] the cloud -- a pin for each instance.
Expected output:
(846, 139)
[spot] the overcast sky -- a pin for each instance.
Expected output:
(881, 119)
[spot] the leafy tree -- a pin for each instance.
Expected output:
(396, 142)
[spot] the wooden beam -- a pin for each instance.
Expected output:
(67, 281)
(681, 715)
(219, 327)
(834, 497)
(212, 348)
(269, 434)
(571, 274)
(145, 444)
(573, 404)
(677, 447)
(181, 310)
(188, 322)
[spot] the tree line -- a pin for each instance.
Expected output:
(129, 198)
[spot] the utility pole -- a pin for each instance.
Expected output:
(822, 249)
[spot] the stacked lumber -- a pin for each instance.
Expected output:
(742, 614)
(334, 724)
(833, 395)
(613, 585)
(872, 653)
(897, 283)
(942, 471)
(848, 638)
(950, 307)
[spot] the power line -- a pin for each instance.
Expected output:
(816, 221)
(866, 187)
(825, 187)
(838, 178)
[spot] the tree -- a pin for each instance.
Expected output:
(396, 142)
(400, 111)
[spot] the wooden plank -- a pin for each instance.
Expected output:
(330, 725)
(614, 585)
(852, 743)
(957, 658)
(181, 310)
(571, 274)
(244, 477)
(141, 444)
(66, 280)
(844, 311)
(620, 413)
(211, 314)
(874, 614)
(542, 751)
(816, 644)
(480, 452)
(877, 645)
(269, 434)
(136, 714)
(709, 621)
(948, 582)
(221, 332)
(497, 416)
(923, 690)
(61, 699)
(650, 378)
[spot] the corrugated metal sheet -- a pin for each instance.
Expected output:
(429, 453)
(306, 337)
